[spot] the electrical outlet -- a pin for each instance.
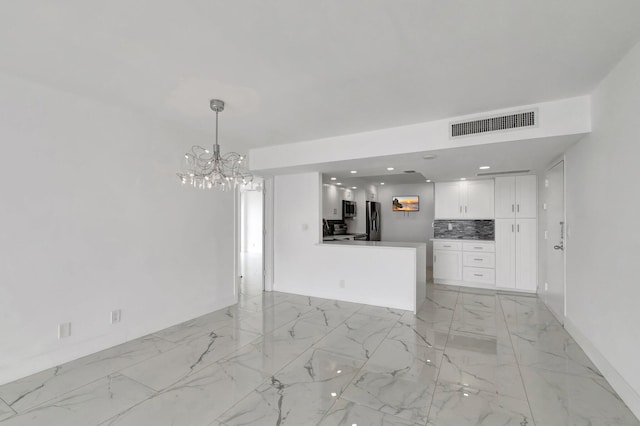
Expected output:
(342, 284)
(116, 316)
(64, 330)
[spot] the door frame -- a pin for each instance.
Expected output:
(553, 164)
(238, 235)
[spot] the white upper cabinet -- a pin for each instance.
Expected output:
(479, 199)
(464, 200)
(516, 197)
(526, 196)
(447, 200)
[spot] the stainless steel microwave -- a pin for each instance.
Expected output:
(349, 209)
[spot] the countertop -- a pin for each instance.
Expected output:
(339, 236)
(464, 240)
(377, 243)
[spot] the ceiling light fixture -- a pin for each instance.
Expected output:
(339, 183)
(484, 167)
(463, 178)
(381, 183)
(205, 169)
(354, 187)
(428, 180)
(389, 168)
(333, 178)
(353, 172)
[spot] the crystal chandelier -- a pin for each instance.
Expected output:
(207, 169)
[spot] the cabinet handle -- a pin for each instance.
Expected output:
(465, 209)
(478, 275)
(518, 209)
(446, 246)
(460, 209)
(512, 228)
(513, 208)
(478, 248)
(481, 260)
(435, 258)
(518, 227)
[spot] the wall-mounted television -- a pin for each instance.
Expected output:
(406, 203)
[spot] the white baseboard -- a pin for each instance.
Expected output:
(615, 379)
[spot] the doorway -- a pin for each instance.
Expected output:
(554, 291)
(251, 245)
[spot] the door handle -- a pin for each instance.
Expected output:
(513, 208)
(559, 247)
(518, 208)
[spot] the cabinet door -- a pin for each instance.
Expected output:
(447, 200)
(505, 253)
(479, 200)
(331, 203)
(505, 196)
(526, 254)
(447, 265)
(526, 196)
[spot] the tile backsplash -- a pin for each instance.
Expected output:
(464, 229)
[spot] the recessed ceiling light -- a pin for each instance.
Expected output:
(428, 180)
(463, 178)
(354, 187)
(339, 183)
(429, 156)
(465, 394)
(484, 167)
(353, 172)
(333, 178)
(333, 394)
(381, 183)
(389, 168)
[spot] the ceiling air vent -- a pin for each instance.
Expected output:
(509, 172)
(495, 124)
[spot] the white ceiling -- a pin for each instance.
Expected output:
(450, 164)
(293, 70)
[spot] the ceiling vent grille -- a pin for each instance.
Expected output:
(494, 124)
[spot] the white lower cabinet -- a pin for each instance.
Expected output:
(447, 265)
(464, 263)
(516, 254)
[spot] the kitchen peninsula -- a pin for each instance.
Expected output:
(402, 285)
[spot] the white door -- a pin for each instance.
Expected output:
(447, 265)
(505, 253)
(447, 200)
(505, 196)
(526, 196)
(553, 296)
(480, 199)
(251, 260)
(526, 254)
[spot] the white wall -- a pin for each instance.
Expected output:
(603, 245)
(94, 219)
(556, 118)
(384, 276)
(413, 227)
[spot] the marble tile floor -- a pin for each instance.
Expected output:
(467, 358)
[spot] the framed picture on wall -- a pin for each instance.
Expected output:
(406, 203)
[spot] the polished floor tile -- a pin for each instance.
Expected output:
(466, 358)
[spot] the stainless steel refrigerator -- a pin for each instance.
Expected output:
(373, 221)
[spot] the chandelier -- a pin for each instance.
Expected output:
(207, 169)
